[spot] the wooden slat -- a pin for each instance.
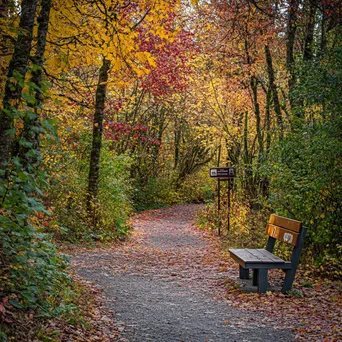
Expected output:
(282, 234)
(285, 223)
(242, 254)
(257, 256)
(273, 257)
(244, 258)
(237, 259)
(283, 266)
(260, 257)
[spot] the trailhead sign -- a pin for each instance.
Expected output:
(222, 172)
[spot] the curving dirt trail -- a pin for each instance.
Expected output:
(167, 284)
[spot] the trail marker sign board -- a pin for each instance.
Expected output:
(222, 173)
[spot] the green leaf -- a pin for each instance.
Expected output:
(29, 98)
(15, 303)
(11, 131)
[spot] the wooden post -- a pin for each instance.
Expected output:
(262, 280)
(255, 277)
(243, 273)
(225, 174)
(229, 180)
(219, 204)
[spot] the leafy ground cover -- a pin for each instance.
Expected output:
(164, 248)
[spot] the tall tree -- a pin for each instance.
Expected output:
(15, 77)
(100, 98)
(29, 152)
(274, 90)
(290, 45)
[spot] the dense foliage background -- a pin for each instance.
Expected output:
(113, 107)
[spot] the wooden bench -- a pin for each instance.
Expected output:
(261, 260)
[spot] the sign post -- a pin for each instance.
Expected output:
(219, 202)
(223, 174)
(230, 181)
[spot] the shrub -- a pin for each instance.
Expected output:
(67, 195)
(197, 188)
(32, 272)
(305, 177)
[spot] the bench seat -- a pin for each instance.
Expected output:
(258, 258)
(261, 260)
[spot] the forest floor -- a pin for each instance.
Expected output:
(170, 282)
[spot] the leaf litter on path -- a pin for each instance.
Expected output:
(165, 245)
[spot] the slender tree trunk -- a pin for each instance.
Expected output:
(219, 155)
(323, 33)
(94, 167)
(274, 90)
(264, 183)
(246, 157)
(156, 148)
(245, 139)
(254, 86)
(268, 119)
(177, 135)
(43, 25)
(291, 32)
(290, 41)
(309, 35)
(17, 69)
(32, 125)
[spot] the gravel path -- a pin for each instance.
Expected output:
(167, 284)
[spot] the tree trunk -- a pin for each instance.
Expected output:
(254, 86)
(177, 141)
(247, 160)
(32, 125)
(43, 25)
(323, 42)
(17, 69)
(290, 41)
(268, 120)
(219, 155)
(309, 35)
(94, 167)
(274, 90)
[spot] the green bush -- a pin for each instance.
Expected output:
(32, 272)
(68, 191)
(161, 191)
(197, 188)
(115, 193)
(305, 175)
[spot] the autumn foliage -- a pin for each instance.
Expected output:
(109, 107)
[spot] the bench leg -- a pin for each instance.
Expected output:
(262, 280)
(255, 277)
(289, 278)
(244, 273)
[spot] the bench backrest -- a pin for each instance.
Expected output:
(291, 232)
(284, 229)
